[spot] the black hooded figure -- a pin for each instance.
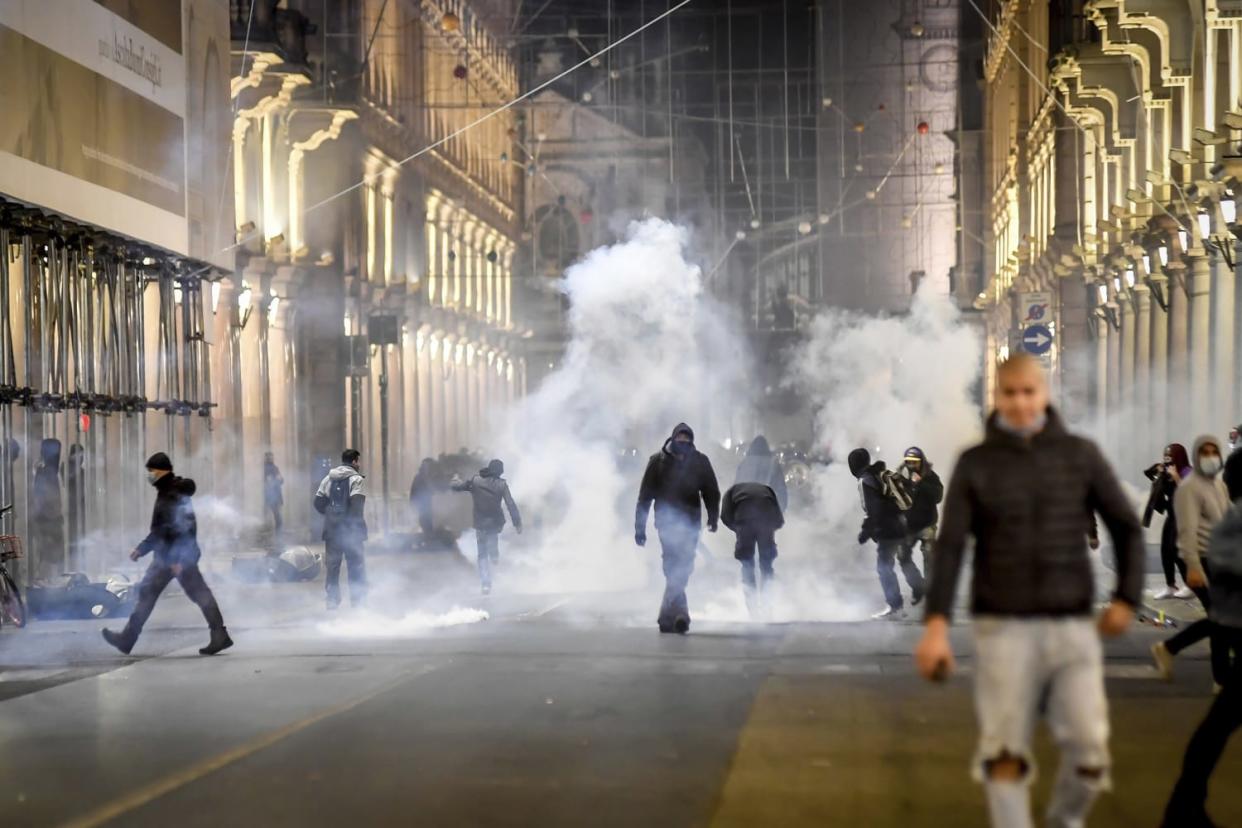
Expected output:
(679, 480)
(754, 509)
(47, 512)
(75, 497)
(885, 523)
(173, 542)
(422, 492)
(923, 517)
(489, 489)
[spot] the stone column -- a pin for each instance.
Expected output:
(1142, 369)
(1201, 344)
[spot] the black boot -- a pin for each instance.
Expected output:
(122, 640)
(219, 641)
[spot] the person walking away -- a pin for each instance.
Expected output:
(422, 490)
(754, 508)
(173, 545)
(47, 513)
(341, 499)
(1165, 476)
(885, 500)
(1026, 494)
(1186, 807)
(927, 491)
(680, 482)
(488, 489)
(75, 503)
(273, 492)
(1200, 502)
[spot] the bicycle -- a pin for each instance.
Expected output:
(12, 608)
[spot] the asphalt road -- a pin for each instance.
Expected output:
(557, 710)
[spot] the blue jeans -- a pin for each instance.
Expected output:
(889, 552)
(489, 554)
(678, 545)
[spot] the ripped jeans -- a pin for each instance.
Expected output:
(1033, 667)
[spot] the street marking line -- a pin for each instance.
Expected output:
(149, 793)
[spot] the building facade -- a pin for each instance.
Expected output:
(1113, 173)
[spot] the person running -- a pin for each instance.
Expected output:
(488, 489)
(754, 508)
(1186, 807)
(1025, 495)
(1165, 477)
(173, 544)
(341, 499)
(680, 481)
(885, 500)
(1200, 502)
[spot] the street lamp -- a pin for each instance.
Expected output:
(244, 306)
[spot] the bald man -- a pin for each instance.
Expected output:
(1026, 494)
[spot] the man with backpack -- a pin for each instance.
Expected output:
(885, 500)
(488, 489)
(341, 499)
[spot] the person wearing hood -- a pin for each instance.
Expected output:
(1165, 476)
(1026, 495)
(680, 481)
(1200, 503)
(489, 489)
(173, 544)
(47, 512)
(422, 492)
(754, 509)
(1224, 558)
(927, 491)
(884, 522)
(341, 499)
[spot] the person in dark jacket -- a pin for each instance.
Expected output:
(47, 512)
(754, 509)
(173, 544)
(341, 499)
(680, 481)
(1186, 806)
(885, 523)
(422, 493)
(923, 516)
(1026, 495)
(273, 491)
(488, 490)
(1165, 477)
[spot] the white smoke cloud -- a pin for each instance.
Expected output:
(371, 624)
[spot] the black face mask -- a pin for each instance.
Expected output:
(682, 449)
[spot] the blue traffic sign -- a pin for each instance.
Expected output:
(1037, 339)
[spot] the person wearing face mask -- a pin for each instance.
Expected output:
(1200, 503)
(924, 513)
(1165, 477)
(173, 541)
(680, 481)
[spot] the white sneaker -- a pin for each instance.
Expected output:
(1165, 594)
(889, 614)
(1164, 660)
(1184, 593)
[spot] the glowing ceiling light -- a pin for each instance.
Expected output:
(1205, 224)
(215, 296)
(1163, 252)
(1130, 280)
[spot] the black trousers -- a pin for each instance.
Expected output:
(158, 576)
(1199, 630)
(678, 546)
(351, 553)
(1224, 717)
(751, 536)
(888, 553)
(1170, 561)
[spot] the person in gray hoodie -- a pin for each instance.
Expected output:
(341, 499)
(1224, 555)
(489, 489)
(1200, 503)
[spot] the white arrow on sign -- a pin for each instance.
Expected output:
(1039, 340)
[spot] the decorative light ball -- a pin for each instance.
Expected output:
(459, 71)
(587, 97)
(504, 158)
(804, 227)
(871, 195)
(560, 201)
(923, 127)
(739, 235)
(859, 126)
(907, 222)
(595, 63)
(586, 216)
(573, 31)
(858, 167)
(917, 29)
(492, 257)
(824, 218)
(450, 22)
(452, 254)
(826, 102)
(614, 74)
(754, 224)
(909, 87)
(939, 169)
(542, 136)
(531, 169)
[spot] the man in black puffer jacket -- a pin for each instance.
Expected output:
(679, 480)
(885, 523)
(173, 540)
(1026, 495)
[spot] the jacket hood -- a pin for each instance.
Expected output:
(1201, 441)
(184, 486)
(343, 471)
(496, 468)
(859, 460)
(681, 428)
(759, 447)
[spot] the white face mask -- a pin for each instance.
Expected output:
(1210, 466)
(152, 477)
